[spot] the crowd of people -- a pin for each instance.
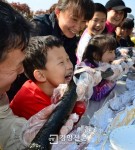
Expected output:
(38, 55)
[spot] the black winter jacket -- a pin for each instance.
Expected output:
(126, 42)
(47, 25)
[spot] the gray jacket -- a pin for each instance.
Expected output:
(10, 127)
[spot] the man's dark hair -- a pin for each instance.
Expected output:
(14, 30)
(100, 8)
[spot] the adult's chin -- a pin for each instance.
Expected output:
(3, 90)
(115, 23)
(70, 35)
(8, 88)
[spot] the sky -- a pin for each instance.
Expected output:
(46, 4)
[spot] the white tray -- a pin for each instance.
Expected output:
(123, 138)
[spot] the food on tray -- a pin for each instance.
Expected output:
(124, 117)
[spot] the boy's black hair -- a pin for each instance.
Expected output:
(14, 30)
(36, 53)
(100, 8)
(128, 24)
(97, 46)
(84, 8)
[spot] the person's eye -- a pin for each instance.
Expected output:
(74, 19)
(62, 62)
(110, 51)
(103, 21)
(95, 20)
(84, 21)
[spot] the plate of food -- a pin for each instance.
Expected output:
(123, 138)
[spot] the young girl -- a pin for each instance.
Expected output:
(116, 12)
(94, 26)
(100, 49)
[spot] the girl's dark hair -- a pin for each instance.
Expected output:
(100, 8)
(36, 53)
(84, 8)
(97, 46)
(14, 29)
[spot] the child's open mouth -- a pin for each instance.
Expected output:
(69, 77)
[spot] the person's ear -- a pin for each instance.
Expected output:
(57, 12)
(95, 56)
(39, 75)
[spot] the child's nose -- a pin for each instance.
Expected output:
(69, 65)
